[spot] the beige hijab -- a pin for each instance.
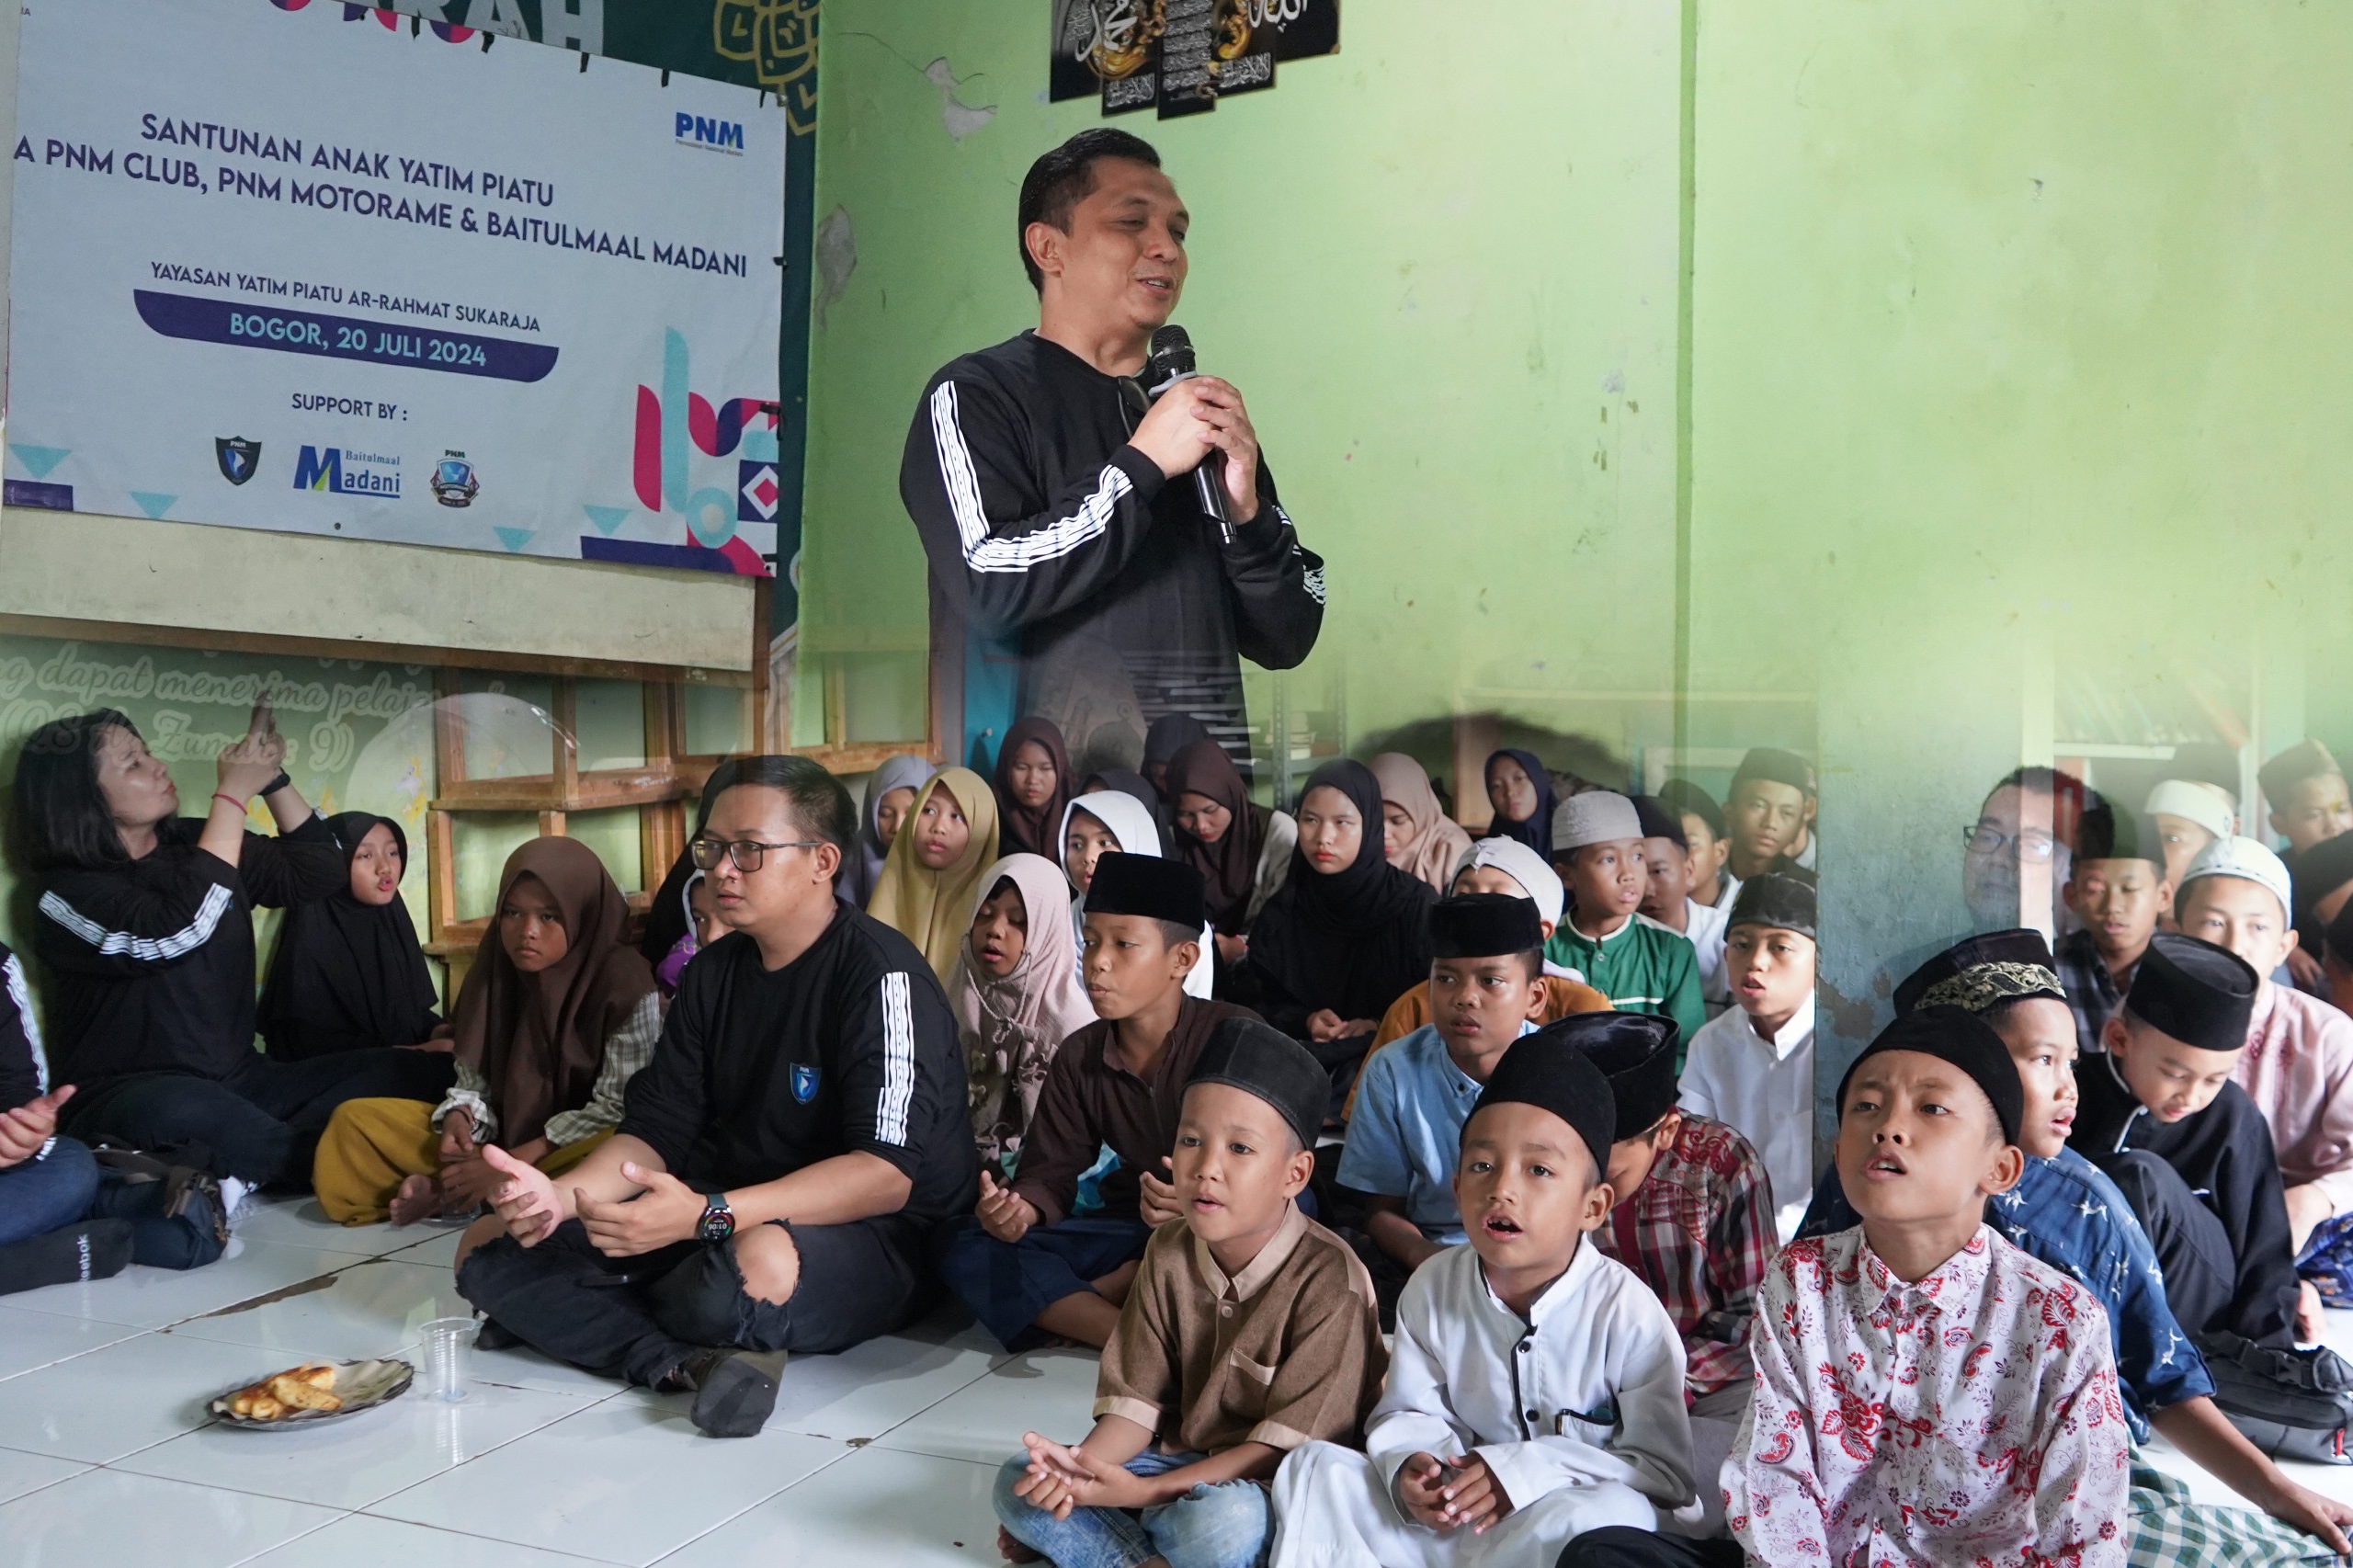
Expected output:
(1436, 842)
(934, 909)
(1010, 1029)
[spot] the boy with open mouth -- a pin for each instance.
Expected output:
(1250, 1330)
(1926, 1391)
(1536, 1389)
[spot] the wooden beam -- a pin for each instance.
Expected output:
(203, 640)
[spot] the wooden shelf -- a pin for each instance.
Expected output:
(540, 792)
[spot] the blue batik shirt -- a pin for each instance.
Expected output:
(2064, 1211)
(1405, 1135)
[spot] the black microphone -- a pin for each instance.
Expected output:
(1172, 361)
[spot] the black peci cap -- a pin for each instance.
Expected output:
(1261, 1059)
(1980, 972)
(1960, 1036)
(1483, 925)
(1636, 1052)
(1147, 885)
(1774, 899)
(2194, 992)
(1660, 820)
(1550, 1074)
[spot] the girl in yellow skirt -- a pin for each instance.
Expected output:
(554, 1016)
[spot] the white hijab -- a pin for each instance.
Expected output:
(1136, 834)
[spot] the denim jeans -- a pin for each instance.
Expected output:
(47, 1194)
(1225, 1526)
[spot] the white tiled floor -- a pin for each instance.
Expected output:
(881, 1456)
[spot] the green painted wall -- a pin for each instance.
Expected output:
(2019, 349)
(1441, 266)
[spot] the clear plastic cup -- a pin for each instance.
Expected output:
(448, 1343)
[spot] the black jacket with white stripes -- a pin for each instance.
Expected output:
(1042, 524)
(151, 962)
(848, 1049)
(24, 1072)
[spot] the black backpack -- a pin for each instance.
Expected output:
(2292, 1405)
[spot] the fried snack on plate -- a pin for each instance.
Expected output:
(302, 1390)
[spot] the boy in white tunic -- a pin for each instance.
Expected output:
(1536, 1390)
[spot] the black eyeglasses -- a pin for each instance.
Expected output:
(747, 854)
(1983, 839)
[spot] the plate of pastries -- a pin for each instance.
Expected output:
(313, 1392)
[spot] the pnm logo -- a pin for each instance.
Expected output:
(454, 484)
(715, 135)
(339, 470)
(238, 456)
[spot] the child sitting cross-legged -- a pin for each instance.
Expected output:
(1249, 1332)
(1926, 1391)
(1028, 1266)
(1486, 986)
(1536, 1390)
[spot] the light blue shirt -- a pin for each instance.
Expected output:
(1406, 1134)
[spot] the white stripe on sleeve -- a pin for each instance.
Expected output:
(147, 949)
(985, 553)
(898, 1062)
(20, 994)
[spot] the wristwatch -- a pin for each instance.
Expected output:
(718, 1220)
(275, 785)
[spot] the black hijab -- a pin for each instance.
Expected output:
(348, 975)
(1352, 940)
(1536, 831)
(1170, 733)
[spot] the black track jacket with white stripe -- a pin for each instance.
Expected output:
(1043, 524)
(850, 1048)
(24, 1072)
(153, 960)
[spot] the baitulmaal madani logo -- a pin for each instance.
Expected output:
(348, 470)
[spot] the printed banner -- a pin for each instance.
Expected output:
(1180, 56)
(310, 267)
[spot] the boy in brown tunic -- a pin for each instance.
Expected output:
(1250, 1330)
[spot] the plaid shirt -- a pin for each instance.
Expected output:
(1700, 1232)
(2168, 1530)
(2093, 993)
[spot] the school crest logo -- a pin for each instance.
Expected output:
(240, 460)
(804, 1082)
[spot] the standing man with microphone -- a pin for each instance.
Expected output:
(1074, 571)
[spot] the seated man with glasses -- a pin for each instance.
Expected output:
(782, 1160)
(2015, 856)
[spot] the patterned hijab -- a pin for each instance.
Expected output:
(1010, 1029)
(539, 1040)
(1436, 842)
(934, 909)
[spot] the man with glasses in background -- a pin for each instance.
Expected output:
(780, 1164)
(2015, 857)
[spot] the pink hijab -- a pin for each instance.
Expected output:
(1010, 1029)
(1437, 843)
